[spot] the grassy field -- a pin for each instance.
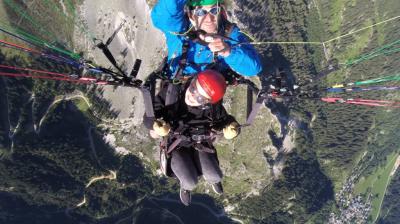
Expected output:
(375, 185)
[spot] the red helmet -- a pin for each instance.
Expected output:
(213, 83)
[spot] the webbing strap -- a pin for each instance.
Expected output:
(173, 146)
(249, 101)
(135, 69)
(107, 52)
(148, 103)
(254, 111)
(109, 56)
(172, 94)
(183, 60)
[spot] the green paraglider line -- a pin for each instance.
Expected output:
(29, 37)
(379, 80)
(20, 11)
(22, 32)
(41, 44)
(388, 78)
(387, 49)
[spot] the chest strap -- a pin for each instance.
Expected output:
(183, 60)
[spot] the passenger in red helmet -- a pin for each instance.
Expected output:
(188, 125)
(207, 87)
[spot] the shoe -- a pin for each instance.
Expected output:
(217, 187)
(185, 196)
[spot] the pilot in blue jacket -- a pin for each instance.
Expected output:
(219, 42)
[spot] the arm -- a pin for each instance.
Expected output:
(222, 118)
(228, 124)
(243, 58)
(169, 16)
(158, 104)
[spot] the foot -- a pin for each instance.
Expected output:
(185, 196)
(217, 187)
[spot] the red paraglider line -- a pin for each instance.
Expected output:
(42, 77)
(47, 55)
(20, 47)
(82, 80)
(34, 70)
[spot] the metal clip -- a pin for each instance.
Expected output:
(199, 138)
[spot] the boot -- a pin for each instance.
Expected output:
(185, 196)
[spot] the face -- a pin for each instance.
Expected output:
(195, 95)
(205, 18)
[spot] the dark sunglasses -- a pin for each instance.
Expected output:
(195, 93)
(203, 12)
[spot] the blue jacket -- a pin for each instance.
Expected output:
(170, 18)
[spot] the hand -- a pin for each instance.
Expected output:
(232, 130)
(216, 44)
(161, 128)
(154, 135)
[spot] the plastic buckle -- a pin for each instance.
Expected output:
(198, 138)
(176, 81)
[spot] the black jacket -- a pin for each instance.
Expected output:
(186, 119)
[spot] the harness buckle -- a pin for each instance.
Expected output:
(180, 80)
(199, 138)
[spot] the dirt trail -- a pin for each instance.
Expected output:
(59, 99)
(111, 176)
(396, 166)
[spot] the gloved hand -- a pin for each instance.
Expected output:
(161, 127)
(232, 130)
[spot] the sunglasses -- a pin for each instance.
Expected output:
(195, 93)
(203, 12)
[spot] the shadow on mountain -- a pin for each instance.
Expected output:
(170, 210)
(167, 209)
(302, 184)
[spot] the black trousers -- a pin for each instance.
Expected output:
(188, 164)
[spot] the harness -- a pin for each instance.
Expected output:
(177, 136)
